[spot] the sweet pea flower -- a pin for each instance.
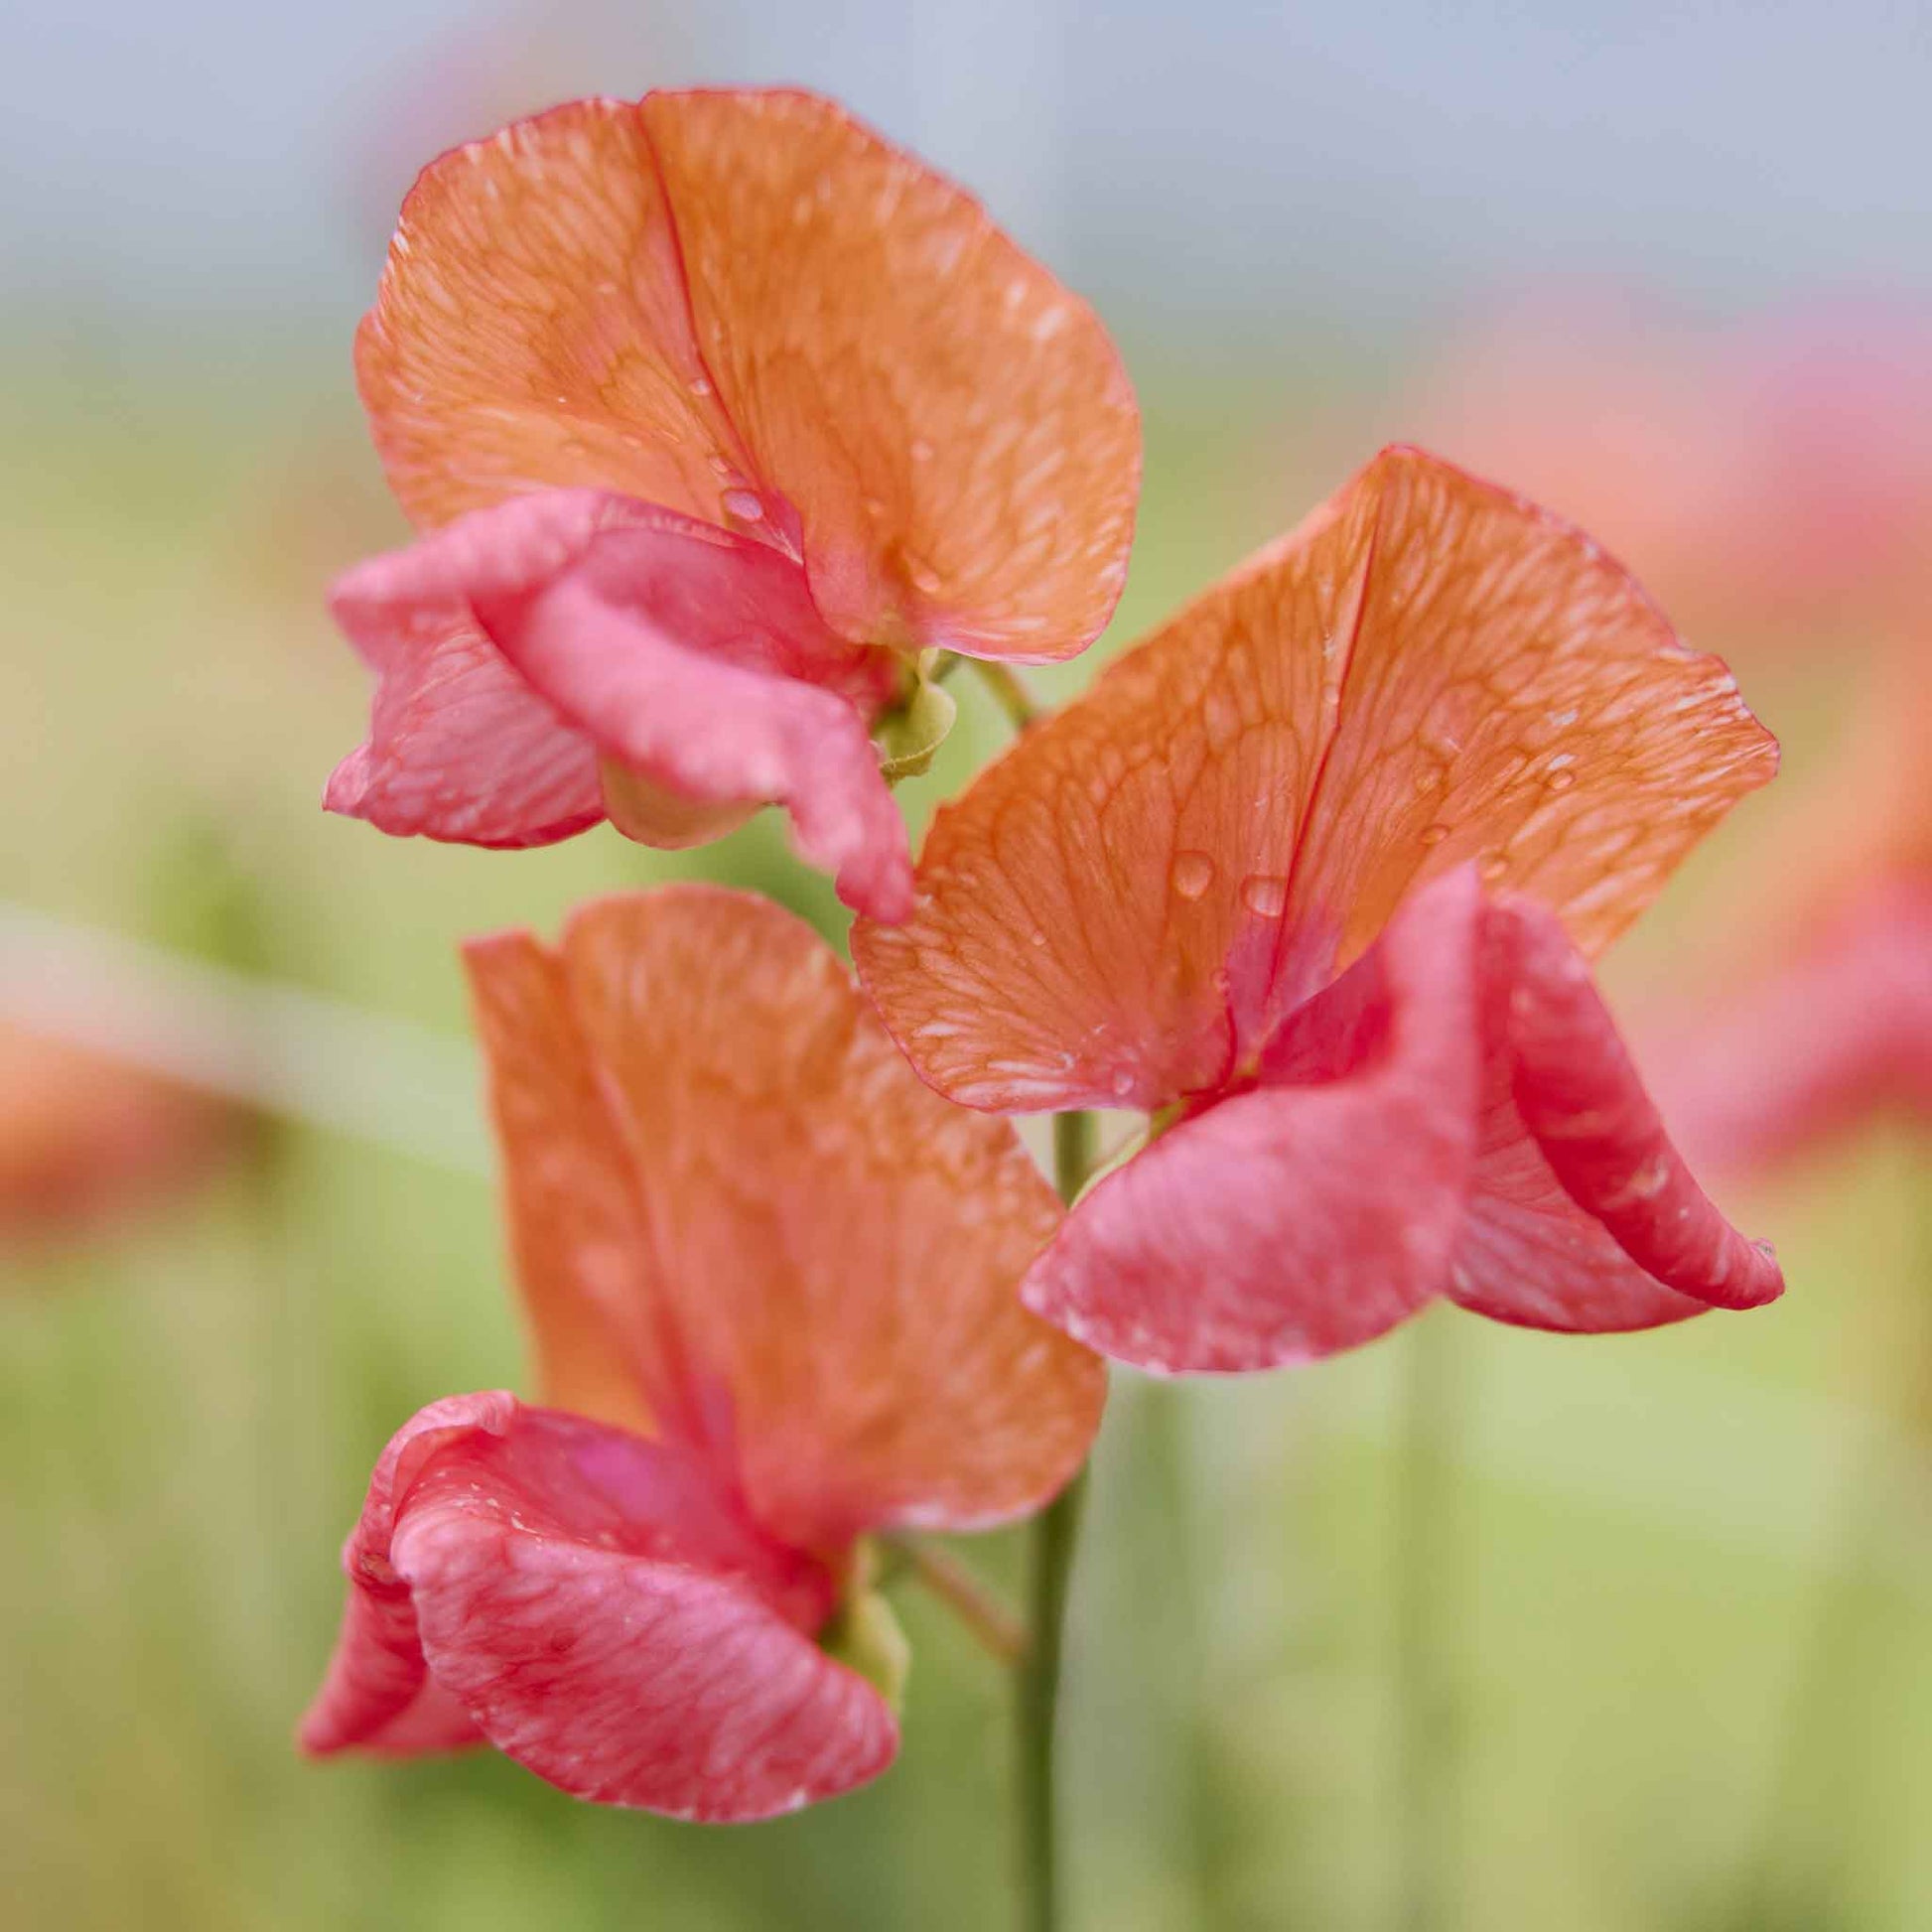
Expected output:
(1313, 876)
(770, 1279)
(1838, 1029)
(1772, 476)
(720, 415)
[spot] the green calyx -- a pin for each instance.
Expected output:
(865, 1635)
(912, 728)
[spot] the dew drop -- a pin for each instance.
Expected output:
(746, 505)
(1193, 873)
(1433, 835)
(921, 450)
(1265, 895)
(1037, 938)
(700, 387)
(1492, 868)
(1560, 781)
(1122, 1084)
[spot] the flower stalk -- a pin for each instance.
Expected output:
(1037, 1685)
(1428, 1609)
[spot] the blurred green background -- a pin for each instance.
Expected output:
(1639, 1548)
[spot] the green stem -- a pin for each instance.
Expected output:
(1805, 1843)
(1429, 1604)
(1011, 694)
(1037, 1677)
(990, 1621)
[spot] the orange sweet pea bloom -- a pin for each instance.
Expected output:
(1311, 876)
(770, 1279)
(720, 412)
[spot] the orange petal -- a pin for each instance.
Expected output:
(1428, 671)
(749, 308)
(533, 330)
(833, 1251)
(1510, 694)
(952, 425)
(576, 1222)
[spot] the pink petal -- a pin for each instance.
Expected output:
(1586, 1216)
(460, 749)
(605, 1615)
(1839, 1035)
(1311, 1214)
(717, 732)
(685, 651)
(1530, 1256)
(377, 1694)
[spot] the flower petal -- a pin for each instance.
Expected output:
(1841, 1034)
(830, 1250)
(1561, 1082)
(952, 425)
(594, 1603)
(532, 329)
(679, 648)
(1508, 693)
(1304, 1216)
(1429, 670)
(460, 749)
(377, 1695)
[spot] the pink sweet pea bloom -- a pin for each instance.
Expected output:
(1838, 1028)
(1772, 477)
(770, 1279)
(719, 413)
(1313, 876)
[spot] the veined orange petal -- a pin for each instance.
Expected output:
(952, 425)
(1512, 695)
(532, 331)
(1427, 671)
(575, 1221)
(833, 1252)
(749, 308)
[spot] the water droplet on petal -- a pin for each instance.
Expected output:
(744, 504)
(1492, 868)
(1265, 895)
(700, 387)
(1193, 873)
(1121, 1083)
(1433, 835)
(1037, 938)
(1560, 781)
(921, 450)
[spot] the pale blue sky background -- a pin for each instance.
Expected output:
(1220, 162)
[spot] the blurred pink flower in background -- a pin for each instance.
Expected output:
(1824, 1018)
(1769, 480)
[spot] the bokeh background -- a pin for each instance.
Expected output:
(1682, 1582)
